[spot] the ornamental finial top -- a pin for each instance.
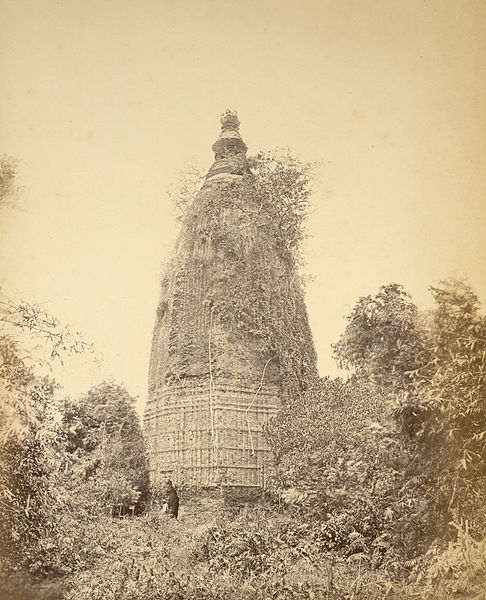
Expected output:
(229, 120)
(229, 149)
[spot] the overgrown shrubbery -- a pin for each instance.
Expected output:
(64, 465)
(457, 571)
(396, 455)
(28, 454)
(215, 555)
(432, 367)
(260, 552)
(345, 462)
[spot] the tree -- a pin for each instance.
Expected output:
(385, 339)
(31, 440)
(444, 414)
(433, 368)
(103, 431)
(28, 452)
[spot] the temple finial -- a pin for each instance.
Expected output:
(229, 141)
(229, 120)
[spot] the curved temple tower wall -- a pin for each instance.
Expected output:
(212, 387)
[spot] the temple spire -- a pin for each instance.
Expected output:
(229, 149)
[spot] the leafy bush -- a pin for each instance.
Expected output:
(256, 554)
(443, 414)
(28, 454)
(457, 571)
(103, 429)
(432, 368)
(345, 463)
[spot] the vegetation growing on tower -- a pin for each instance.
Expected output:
(254, 227)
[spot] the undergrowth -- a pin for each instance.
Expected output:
(216, 552)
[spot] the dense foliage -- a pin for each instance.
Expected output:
(103, 430)
(395, 457)
(385, 339)
(341, 461)
(63, 464)
(215, 554)
(433, 367)
(28, 442)
(443, 414)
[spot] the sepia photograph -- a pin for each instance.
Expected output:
(242, 291)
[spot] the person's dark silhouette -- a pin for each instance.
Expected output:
(172, 500)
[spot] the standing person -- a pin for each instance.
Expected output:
(172, 500)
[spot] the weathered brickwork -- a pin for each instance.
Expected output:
(212, 386)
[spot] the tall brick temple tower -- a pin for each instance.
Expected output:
(215, 377)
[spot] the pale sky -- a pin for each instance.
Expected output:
(105, 101)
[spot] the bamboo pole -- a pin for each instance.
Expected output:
(251, 404)
(211, 413)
